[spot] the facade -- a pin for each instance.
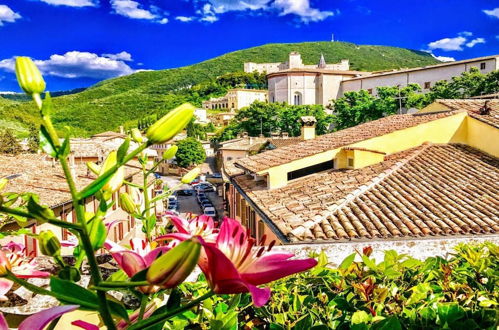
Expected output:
(426, 77)
(235, 99)
(434, 174)
(44, 177)
(294, 62)
(297, 84)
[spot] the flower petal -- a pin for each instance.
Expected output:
(129, 261)
(5, 286)
(181, 224)
(151, 256)
(3, 323)
(229, 231)
(272, 267)
(39, 320)
(173, 236)
(259, 296)
(85, 325)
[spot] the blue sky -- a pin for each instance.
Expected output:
(80, 42)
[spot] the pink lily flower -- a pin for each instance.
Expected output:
(41, 319)
(13, 254)
(202, 225)
(138, 258)
(233, 265)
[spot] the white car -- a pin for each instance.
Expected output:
(210, 211)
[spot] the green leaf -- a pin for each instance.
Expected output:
(449, 313)
(360, 317)
(97, 232)
(46, 143)
(368, 262)
(39, 210)
(347, 262)
(118, 309)
(140, 276)
(304, 324)
(95, 186)
(64, 150)
(391, 323)
(118, 276)
(122, 150)
(419, 292)
(73, 290)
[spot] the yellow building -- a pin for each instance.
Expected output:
(235, 99)
(434, 173)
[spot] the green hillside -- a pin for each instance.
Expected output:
(115, 101)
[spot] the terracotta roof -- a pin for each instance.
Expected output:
(43, 176)
(337, 139)
(109, 134)
(430, 190)
(473, 106)
(97, 148)
(245, 144)
(283, 142)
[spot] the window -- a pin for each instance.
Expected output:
(297, 98)
(427, 85)
(311, 170)
(482, 66)
(370, 90)
(350, 162)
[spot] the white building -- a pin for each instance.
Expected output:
(236, 99)
(295, 83)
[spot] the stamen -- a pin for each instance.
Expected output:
(271, 245)
(234, 233)
(262, 241)
(132, 245)
(260, 252)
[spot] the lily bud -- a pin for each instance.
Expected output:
(170, 153)
(173, 267)
(3, 183)
(29, 77)
(191, 175)
(137, 136)
(49, 244)
(117, 178)
(5, 265)
(136, 196)
(127, 204)
(171, 124)
(94, 167)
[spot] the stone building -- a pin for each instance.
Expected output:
(295, 83)
(402, 179)
(236, 99)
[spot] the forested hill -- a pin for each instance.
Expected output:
(113, 102)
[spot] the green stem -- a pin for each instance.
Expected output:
(165, 316)
(123, 284)
(39, 290)
(87, 245)
(143, 303)
(146, 201)
(28, 215)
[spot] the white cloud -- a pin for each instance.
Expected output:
(444, 58)
(123, 56)
(7, 15)
(72, 3)
(302, 9)
(448, 44)
(475, 42)
(456, 43)
(492, 12)
(133, 9)
(184, 19)
(76, 64)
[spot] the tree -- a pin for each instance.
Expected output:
(8, 143)
(33, 139)
(190, 152)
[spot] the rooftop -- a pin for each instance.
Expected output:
(318, 70)
(475, 108)
(43, 176)
(431, 190)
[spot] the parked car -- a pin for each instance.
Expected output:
(184, 192)
(172, 198)
(205, 187)
(210, 211)
(195, 181)
(173, 205)
(206, 203)
(201, 196)
(216, 175)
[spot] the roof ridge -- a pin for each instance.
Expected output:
(361, 190)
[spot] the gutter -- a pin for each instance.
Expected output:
(262, 215)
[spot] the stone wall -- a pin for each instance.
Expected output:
(417, 248)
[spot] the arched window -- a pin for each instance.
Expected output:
(297, 99)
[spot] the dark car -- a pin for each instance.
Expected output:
(184, 192)
(206, 204)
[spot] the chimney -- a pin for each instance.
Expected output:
(274, 135)
(245, 134)
(122, 130)
(285, 135)
(307, 127)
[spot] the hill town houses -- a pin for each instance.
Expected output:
(420, 182)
